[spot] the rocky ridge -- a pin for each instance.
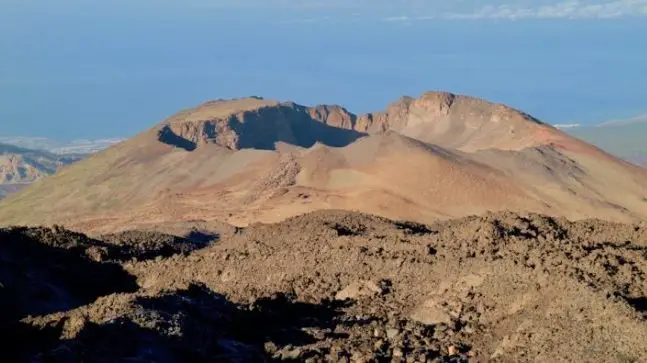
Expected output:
(435, 117)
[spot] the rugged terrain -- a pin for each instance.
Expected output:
(330, 286)
(20, 167)
(439, 156)
(177, 263)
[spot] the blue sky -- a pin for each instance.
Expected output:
(89, 69)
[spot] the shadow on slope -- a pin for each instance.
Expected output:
(192, 325)
(167, 136)
(44, 271)
(259, 129)
(145, 245)
(202, 237)
(291, 124)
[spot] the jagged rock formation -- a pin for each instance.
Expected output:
(444, 119)
(258, 124)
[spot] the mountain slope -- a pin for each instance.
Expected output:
(249, 160)
(458, 122)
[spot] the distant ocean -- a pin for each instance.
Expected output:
(71, 75)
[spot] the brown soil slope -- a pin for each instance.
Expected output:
(248, 160)
(459, 122)
(334, 286)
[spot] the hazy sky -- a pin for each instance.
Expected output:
(82, 68)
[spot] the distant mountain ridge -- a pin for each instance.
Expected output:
(19, 167)
(25, 160)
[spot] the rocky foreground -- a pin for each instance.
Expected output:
(330, 287)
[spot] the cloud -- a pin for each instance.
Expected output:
(406, 11)
(409, 10)
(570, 9)
(566, 126)
(397, 18)
(627, 121)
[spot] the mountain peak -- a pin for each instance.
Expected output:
(437, 117)
(457, 121)
(218, 109)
